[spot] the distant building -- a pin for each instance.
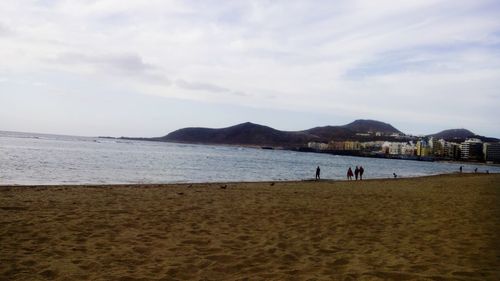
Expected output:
(436, 147)
(385, 147)
(408, 149)
(451, 150)
(371, 146)
(351, 145)
(394, 148)
(423, 148)
(344, 145)
(491, 152)
(336, 145)
(471, 149)
(317, 145)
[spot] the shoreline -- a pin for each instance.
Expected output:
(243, 182)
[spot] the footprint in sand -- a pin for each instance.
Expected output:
(28, 263)
(49, 274)
(340, 262)
(469, 274)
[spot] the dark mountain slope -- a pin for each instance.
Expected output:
(366, 126)
(328, 133)
(453, 134)
(460, 135)
(258, 135)
(244, 134)
(254, 134)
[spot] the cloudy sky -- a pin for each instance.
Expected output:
(145, 68)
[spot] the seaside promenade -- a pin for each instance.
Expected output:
(430, 228)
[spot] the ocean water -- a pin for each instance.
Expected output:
(52, 159)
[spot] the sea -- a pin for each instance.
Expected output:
(43, 159)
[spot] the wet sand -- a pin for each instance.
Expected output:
(430, 228)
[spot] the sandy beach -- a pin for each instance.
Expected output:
(431, 228)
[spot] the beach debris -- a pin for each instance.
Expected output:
(190, 185)
(223, 186)
(180, 193)
(272, 184)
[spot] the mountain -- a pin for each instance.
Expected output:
(258, 135)
(371, 126)
(453, 134)
(242, 134)
(255, 134)
(460, 135)
(327, 133)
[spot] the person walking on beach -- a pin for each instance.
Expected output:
(356, 173)
(318, 171)
(361, 171)
(349, 174)
(460, 169)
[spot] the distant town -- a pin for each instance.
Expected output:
(367, 138)
(413, 148)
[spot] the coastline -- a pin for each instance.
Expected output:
(214, 183)
(302, 149)
(442, 227)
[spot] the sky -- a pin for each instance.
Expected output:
(146, 68)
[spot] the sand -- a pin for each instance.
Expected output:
(431, 228)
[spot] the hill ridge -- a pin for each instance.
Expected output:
(249, 133)
(252, 134)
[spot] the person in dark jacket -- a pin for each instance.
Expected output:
(356, 173)
(349, 173)
(361, 171)
(318, 171)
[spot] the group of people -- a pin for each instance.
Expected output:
(475, 170)
(358, 173)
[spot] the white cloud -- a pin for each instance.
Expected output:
(128, 65)
(5, 30)
(357, 58)
(207, 87)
